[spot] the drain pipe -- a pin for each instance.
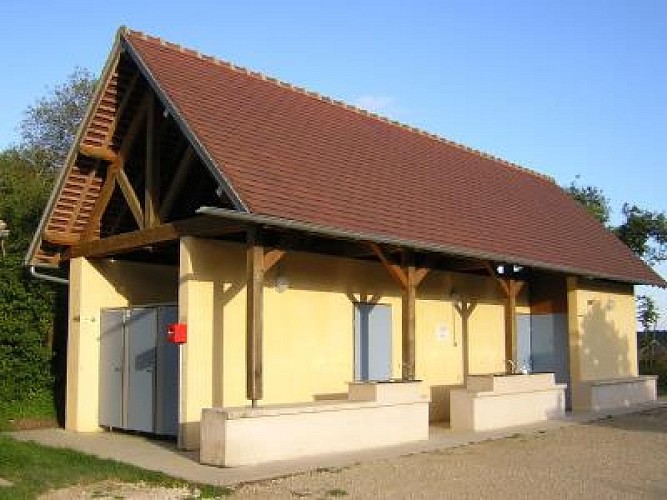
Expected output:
(48, 277)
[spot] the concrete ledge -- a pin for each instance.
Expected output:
(607, 394)
(495, 402)
(243, 436)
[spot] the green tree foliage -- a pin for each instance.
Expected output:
(49, 125)
(645, 232)
(593, 199)
(26, 305)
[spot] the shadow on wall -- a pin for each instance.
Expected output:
(604, 350)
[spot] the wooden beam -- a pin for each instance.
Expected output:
(420, 274)
(98, 152)
(272, 257)
(499, 280)
(102, 199)
(254, 317)
(200, 226)
(408, 324)
(152, 179)
(120, 109)
(513, 287)
(177, 182)
(131, 198)
(394, 270)
(64, 239)
(112, 171)
(92, 175)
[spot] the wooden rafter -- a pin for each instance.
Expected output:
(131, 198)
(120, 110)
(98, 152)
(90, 178)
(177, 182)
(114, 168)
(152, 171)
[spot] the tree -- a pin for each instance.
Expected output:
(49, 125)
(645, 232)
(26, 305)
(648, 316)
(593, 199)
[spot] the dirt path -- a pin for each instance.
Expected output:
(621, 457)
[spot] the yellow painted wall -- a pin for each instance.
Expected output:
(602, 330)
(309, 328)
(95, 286)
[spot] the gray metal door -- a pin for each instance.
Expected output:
(141, 327)
(550, 345)
(167, 375)
(111, 368)
(372, 353)
(523, 349)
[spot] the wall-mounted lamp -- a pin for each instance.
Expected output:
(282, 283)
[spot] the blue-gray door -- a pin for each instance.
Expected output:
(372, 338)
(111, 368)
(141, 328)
(167, 375)
(523, 343)
(550, 348)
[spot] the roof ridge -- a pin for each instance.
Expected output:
(332, 101)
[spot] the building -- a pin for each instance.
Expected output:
(304, 244)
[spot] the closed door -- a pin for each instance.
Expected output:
(372, 342)
(523, 343)
(141, 327)
(167, 375)
(111, 368)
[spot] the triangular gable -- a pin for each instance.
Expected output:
(113, 180)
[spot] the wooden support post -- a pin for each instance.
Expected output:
(152, 179)
(510, 326)
(511, 288)
(254, 292)
(408, 333)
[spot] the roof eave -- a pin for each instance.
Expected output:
(334, 232)
(108, 67)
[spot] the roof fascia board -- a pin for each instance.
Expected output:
(333, 232)
(169, 105)
(109, 65)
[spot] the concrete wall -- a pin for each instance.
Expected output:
(93, 287)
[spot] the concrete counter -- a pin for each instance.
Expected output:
(375, 414)
(495, 401)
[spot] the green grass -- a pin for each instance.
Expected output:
(35, 469)
(38, 408)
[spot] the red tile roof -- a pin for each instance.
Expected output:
(296, 155)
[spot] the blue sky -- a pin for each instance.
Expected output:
(568, 88)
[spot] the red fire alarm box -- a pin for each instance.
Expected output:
(177, 333)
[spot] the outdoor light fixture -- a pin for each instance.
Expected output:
(500, 269)
(282, 283)
(4, 233)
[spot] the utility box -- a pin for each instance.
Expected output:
(139, 370)
(177, 333)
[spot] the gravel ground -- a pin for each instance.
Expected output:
(620, 457)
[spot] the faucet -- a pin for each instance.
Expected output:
(511, 364)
